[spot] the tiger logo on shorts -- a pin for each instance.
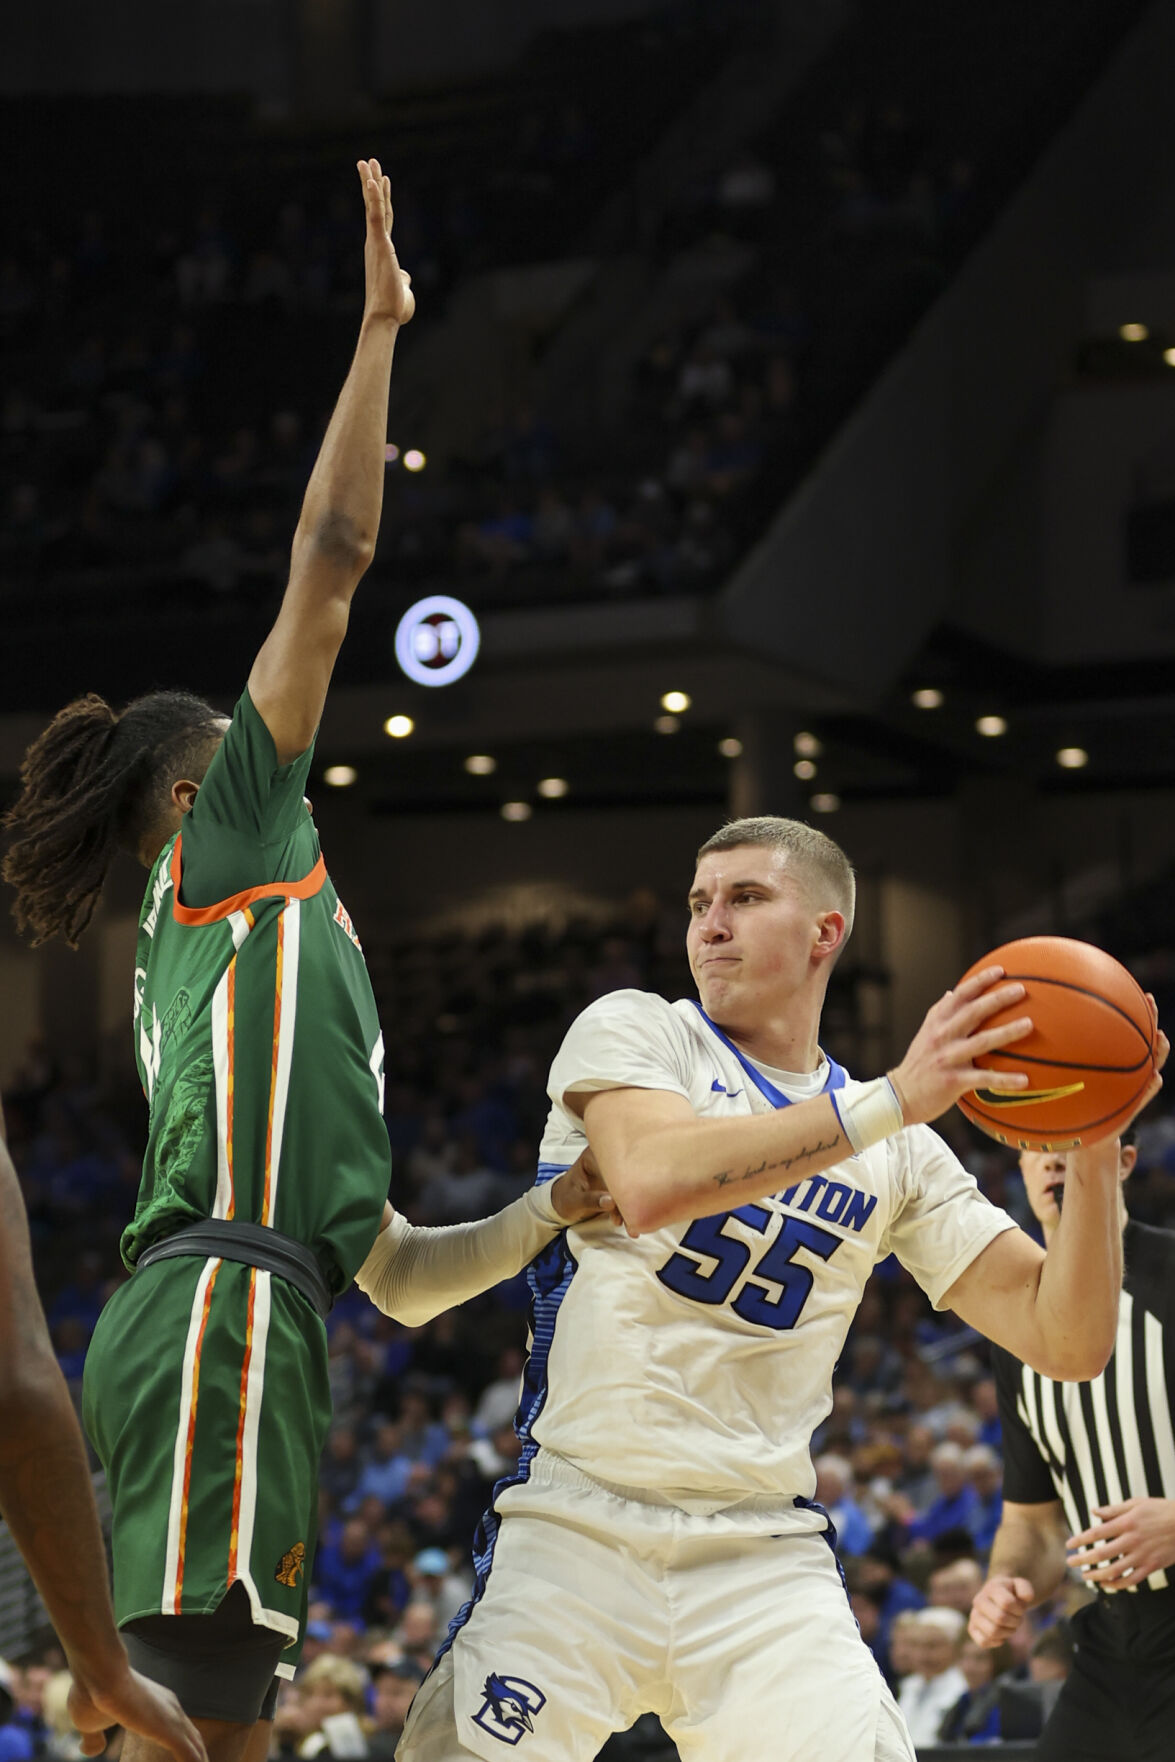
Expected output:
(291, 1565)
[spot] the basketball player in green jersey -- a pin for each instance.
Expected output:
(259, 1050)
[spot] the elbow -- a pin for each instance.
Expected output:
(340, 540)
(31, 1384)
(1093, 1352)
(643, 1208)
(643, 1216)
(1078, 1361)
(1089, 1365)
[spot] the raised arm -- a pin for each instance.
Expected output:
(1058, 1311)
(1027, 1566)
(665, 1165)
(335, 539)
(48, 1502)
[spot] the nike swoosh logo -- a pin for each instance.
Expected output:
(717, 1088)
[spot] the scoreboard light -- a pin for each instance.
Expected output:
(437, 640)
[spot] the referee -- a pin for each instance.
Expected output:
(1089, 1482)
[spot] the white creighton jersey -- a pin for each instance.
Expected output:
(694, 1363)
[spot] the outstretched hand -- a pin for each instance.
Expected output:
(389, 288)
(940, 1066)
(580, 1194)
(139, 1705)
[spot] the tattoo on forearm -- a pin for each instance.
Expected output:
(728, 1178)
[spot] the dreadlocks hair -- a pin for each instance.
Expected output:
(93, 783)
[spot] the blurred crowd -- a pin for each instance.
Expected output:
(155, 438)
(151, 425)
(166, 375)
(151, 432)
(908, 1461)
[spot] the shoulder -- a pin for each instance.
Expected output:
(247, 730)
(643, 1011)
(1147, 1245)
(1149, 1268)
(248, 748)
(645, 1004)
(624, 1038)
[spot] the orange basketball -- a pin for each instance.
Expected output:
(1089, 1056)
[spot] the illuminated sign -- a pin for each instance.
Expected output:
(437, 640)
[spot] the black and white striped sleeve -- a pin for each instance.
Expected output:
(1027, 1477)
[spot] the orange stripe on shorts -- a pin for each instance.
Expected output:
(235, 1535)
(191, 1444)
(277, 1022)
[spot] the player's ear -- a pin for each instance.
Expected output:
(830, 934)
(184, 793)
(1127, 1157)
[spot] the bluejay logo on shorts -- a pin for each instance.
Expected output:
(508, 1706)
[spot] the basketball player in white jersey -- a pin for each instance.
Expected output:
(658, 1548)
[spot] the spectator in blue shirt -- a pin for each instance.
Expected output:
(986, 1475)
(400, 1445)
(347, 1565)
(985, 1401)
(834, 1490)
(956, 1504)
(16, 1742)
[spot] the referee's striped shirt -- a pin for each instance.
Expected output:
(1097, 1443)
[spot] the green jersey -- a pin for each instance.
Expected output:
(207, 1393)
(256, 1032)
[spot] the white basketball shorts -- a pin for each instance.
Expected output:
(597, 1608)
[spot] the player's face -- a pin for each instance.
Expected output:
(753, 930)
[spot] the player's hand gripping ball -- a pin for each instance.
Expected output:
(1090, 1056)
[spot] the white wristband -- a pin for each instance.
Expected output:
(869, 1116)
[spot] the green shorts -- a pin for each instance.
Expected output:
(207, 1399)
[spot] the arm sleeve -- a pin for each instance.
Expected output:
(1027, 1478)
(414, 1272)
(943, 1222)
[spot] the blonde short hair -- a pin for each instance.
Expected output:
(951, 1623)
(55, 1705)
(341, 1674)
(824, 865)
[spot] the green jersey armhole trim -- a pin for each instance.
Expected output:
(193, 916)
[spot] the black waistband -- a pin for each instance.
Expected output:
(253, 1245)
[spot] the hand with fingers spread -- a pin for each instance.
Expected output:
(389, 288)
(1129, 1541)
(1000, 1606)
(940, 1064)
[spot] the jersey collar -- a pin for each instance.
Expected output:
(835, 1079)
